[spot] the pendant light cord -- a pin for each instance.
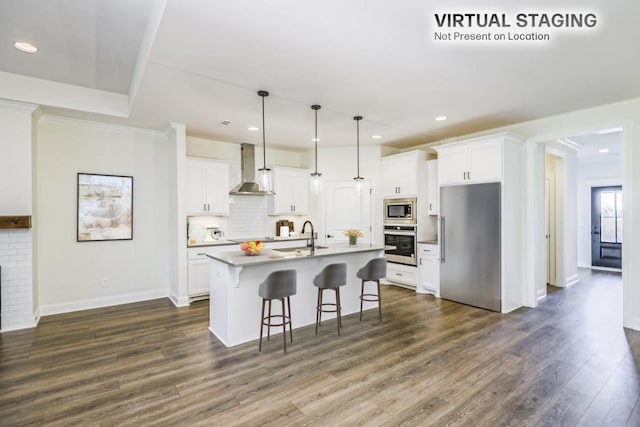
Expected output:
(357, 119)
(264, 149)
(316, 140)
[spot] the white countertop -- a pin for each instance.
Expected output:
(237, 258)
(234, 241)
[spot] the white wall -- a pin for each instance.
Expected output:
(70, 273)
(603, 171)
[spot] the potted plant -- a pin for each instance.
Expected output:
(353, 235)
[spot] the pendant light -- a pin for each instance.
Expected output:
(315, 176)
(357, 181)
(265, 178)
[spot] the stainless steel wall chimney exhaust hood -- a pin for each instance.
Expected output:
(248, 186)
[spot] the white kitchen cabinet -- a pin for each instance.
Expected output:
(470, 162)
(198, 269)
(207, 187)
(432, 187)
(400, 174)
(428, 269)
(291, 186)
(405, 275)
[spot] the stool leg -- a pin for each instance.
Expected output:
(261, 325)
(318, 308)
(269, 323)
(379, 301)
(361, 298)
(290, 324)
(339, 318)
(284, 325)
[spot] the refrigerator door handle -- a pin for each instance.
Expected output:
(442, 239)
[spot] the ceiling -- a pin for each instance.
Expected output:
(148, 63)
(591, 144)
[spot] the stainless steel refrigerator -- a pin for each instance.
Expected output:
(470, 244)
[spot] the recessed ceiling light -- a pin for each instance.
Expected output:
(440, 118)
(225, 123)
(315, 139)
(376, 136)
(253, 128)
(603, 150)
(25, 47)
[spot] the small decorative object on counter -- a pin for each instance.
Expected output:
(353, 235)
(251, 248)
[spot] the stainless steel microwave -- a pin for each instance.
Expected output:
(400, 211)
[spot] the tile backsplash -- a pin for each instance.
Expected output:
(17, 281)
(248, 217)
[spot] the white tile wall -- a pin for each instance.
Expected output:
(17, 279)
(248, 217)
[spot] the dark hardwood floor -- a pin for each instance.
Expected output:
(431, 362)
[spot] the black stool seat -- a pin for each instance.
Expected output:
(278, 285)
(373, 271)
(330, 278)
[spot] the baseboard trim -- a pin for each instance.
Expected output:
(17, 327)
(617, 270)
(179, 302)
(47, 310)
(571, 280)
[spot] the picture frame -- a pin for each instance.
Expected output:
(105, 207)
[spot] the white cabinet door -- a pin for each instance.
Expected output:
(432, 187)
(400, 176)
(428, 269)
(453, 165)
(217, 188)
(485, 162)
(291, 186)
(207, 187)
(198, 277)
(196, 182)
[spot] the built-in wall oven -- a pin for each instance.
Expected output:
(401, 243)
(399, 211)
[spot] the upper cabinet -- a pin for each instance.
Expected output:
(291, 186)
(470, 162)
(207, 186)
(401, 174)
(432, 187)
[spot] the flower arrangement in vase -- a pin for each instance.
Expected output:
(353, 235)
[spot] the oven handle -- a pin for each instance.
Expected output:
(442, 239)
(402, 233)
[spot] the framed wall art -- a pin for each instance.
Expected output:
(105, 207)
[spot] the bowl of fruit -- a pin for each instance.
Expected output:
(251, 247)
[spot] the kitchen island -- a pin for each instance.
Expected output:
(234, 308)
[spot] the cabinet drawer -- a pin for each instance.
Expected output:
(402, 274)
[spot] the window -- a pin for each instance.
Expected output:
(611, 216)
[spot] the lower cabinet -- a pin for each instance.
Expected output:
(403, 275)
(197, 273)
(428, 269)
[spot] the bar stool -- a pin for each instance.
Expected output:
(373, 271)
(330, 278)
(279, 285)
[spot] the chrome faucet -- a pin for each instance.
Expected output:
(311, 245)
